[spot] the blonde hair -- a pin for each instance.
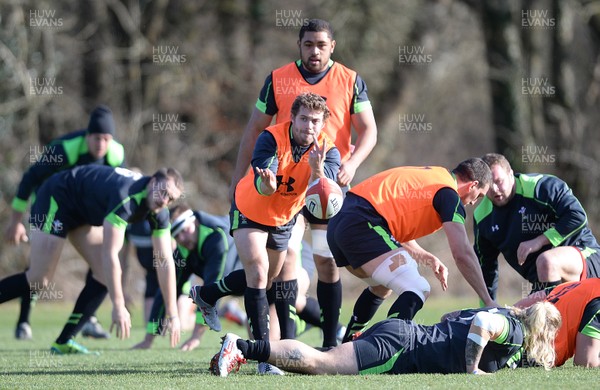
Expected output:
(542, 321)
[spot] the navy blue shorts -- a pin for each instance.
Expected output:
(279, 236)
(376, 347)
(53, 211)
(358, 233)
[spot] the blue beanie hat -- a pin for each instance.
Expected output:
(101, 121)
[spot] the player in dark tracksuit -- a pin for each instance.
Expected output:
(469, 341)
(211, 257)
(70, 204)
(94, 145)
(538, 225)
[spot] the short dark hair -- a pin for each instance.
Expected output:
(170, 173)
(496, 159)
(313, 102)
(474, 169)
(316, 25)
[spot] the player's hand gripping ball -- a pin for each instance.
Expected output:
(324, 198)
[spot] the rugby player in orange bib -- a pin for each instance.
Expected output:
(286, 158)
(579, 307)
(398, 206)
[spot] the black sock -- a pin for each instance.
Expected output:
(89, 300)
(232, 284)
(27, 302)
(406, 306)
(285, 305)
(13, 286)
(364, 309)
(257, 308)
(330, 300)
(311, 313)
(258, 350)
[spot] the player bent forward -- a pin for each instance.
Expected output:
(91, 206)
(458, 344)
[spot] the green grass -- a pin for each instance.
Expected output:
(28, 364)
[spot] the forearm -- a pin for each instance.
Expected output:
(473, 352)
(417, 252)
(113, 275)
(316, 174)
(165, 270)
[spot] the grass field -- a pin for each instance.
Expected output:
(29, 364)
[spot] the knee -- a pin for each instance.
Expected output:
(256, 276)
(404, 277)
(544, 263)
(327, 269)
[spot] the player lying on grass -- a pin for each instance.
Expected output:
(579, 306)
(473, 341)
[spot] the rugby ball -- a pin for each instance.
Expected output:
(324, 198)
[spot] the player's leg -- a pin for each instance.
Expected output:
(92, 328)
(206, 296)
(361, 243)
(251, 245)
(398, 271)
(291, 355)
(329, 285)
(87, 240)
(286, 284)
(365, 308)
(302, 304)
(44, 255)
(23, 330)
(560, 264)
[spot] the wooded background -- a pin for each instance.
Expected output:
(447, 79)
